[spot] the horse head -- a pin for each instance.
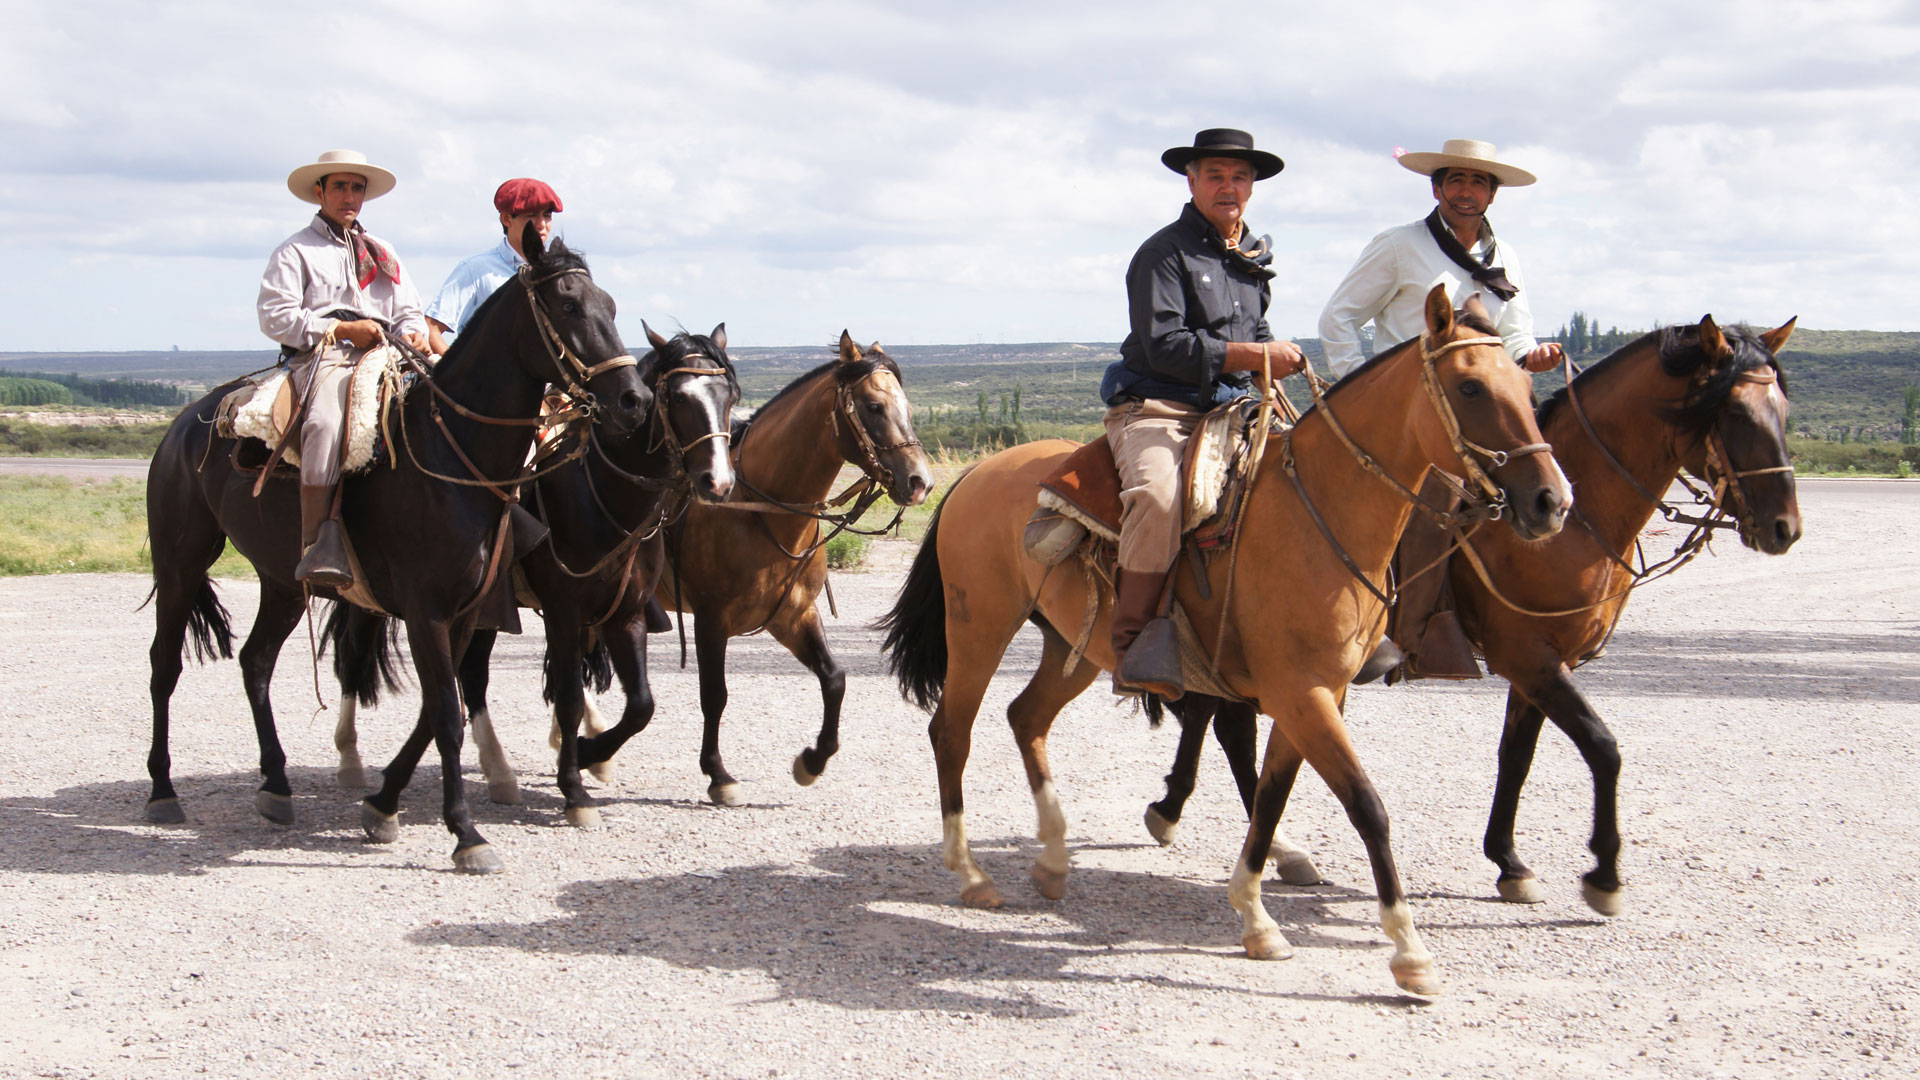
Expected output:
(694, 392)
(878, 431)
(1486, 429)
(580, 347)
(1733, 422)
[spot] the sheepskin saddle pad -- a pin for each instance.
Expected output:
(262, 409)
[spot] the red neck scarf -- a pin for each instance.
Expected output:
(370, 260)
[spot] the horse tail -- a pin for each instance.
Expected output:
(1156, 710)
(596, 664)
(916, 638)
(209, 627)
(364, 649)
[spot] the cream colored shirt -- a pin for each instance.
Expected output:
(1388, 286)
(311, 274)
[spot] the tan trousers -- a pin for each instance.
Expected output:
(328, 370)
(1149, 438)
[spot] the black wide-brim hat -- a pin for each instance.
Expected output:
(1224, 142)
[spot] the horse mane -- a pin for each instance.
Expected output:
(680, 346)
(843, 374)
(1462, 318)
(1681, 356)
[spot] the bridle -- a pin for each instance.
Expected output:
(563, 357)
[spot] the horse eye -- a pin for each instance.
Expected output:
(876, 408)
(571, 307)
(1471, 388)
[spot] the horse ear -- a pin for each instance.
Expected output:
(849, 352)
(719, 337)
(1476, 308)
(1712, 341)
(874, 347)
(530, 244)
(1776, 339)
(1439, 312)
(653, 339)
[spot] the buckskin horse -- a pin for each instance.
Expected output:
(429, 528)
(1710, 400)
(1296, 621)
(759, 561)
(606, 513)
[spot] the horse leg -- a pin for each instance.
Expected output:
(1518, 738)
(1570, 712)
(173, 602)
(1259, 934)
(503, 787)
(809, 646)
(628, 653)
(1031, 715)
(951, 731)
(710, 647)
(280, 610)
(568, 692)
(1195, 713)
(352, 773)
(1235, 728)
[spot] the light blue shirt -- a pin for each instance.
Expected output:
(471, 283)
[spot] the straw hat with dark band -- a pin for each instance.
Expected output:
(1467, 154)
(301, 180)
(1227, 143)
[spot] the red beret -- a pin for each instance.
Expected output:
(525, 195)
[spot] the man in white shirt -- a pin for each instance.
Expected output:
(327, 292)
(519, 202)
(1453, 245)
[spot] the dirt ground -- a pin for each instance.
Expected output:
(1766, 709)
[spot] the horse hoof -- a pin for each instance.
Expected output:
(1051, 883)
(1418, 977)
(1296, 868)
(601, 771)
(983, 895)
(1160, 828)
(504, 792)
(275, 808)
(1521, 890)
(801, 774)
(1605, 902)
(726, 794)
(380, 828)
(1267, 945)
(583, 817)
(351, 777)
(166, 812)
(478, 859)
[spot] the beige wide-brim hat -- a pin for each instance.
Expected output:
(1468, 154)
(301, 180)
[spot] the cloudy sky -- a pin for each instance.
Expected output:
(927, 173)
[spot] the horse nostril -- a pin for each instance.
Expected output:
(630, 402)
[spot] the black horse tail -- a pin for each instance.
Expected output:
(209, 627)
(364, 650)
(1156, 710)
(596, 667)
(916, 639)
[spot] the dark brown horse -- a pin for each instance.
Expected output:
(1699, 397)
(758, 562)
(606, 512)
(428, 530)
(1287, 630)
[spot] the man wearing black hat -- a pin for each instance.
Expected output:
(1197, 295)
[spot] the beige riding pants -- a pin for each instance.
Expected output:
(1149, 438)
(321, 378)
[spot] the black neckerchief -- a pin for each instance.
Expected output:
(1493, 277)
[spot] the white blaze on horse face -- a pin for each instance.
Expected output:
(1566, 485)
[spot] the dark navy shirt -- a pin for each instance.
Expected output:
(1187, 296)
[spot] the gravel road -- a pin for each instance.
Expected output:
(1766, 709)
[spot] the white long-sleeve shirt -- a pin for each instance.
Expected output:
(312, 274)
(1389, 284)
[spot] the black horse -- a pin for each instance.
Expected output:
(428, 531)
(598, 568)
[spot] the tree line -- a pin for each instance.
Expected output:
(59, 388)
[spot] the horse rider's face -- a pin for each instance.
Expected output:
(340, 197)
(515, 224)
(1464, 195)
(1221, 187)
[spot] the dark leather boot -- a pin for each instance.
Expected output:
(1145, 648)
(658, 621)
(1435, 645)
(323, 559)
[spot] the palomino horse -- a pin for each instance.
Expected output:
(1320, 523)
(429, 531)
(758, 562)
(1708, 399)
(602, 558)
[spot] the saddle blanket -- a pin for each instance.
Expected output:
(262, 410)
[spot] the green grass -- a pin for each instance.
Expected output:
(50, 525)
(19, 438)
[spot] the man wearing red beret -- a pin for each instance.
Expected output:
(518, 201)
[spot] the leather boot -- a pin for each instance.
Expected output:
(323, 559)
(1435, 645)
(1145, 648)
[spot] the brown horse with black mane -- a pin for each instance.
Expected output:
(1710, 400)
(1296, 608)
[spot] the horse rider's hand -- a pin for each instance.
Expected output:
(359, 333)
(1544, 357)
(420, 344)
(1284, 356)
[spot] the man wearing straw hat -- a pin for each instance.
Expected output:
(1453, 245)
(520, 202)
(1197, 295)
(331, 292)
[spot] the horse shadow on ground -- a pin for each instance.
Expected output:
(872, 928)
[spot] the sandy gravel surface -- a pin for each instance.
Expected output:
(75, 468)
(1766, 709)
